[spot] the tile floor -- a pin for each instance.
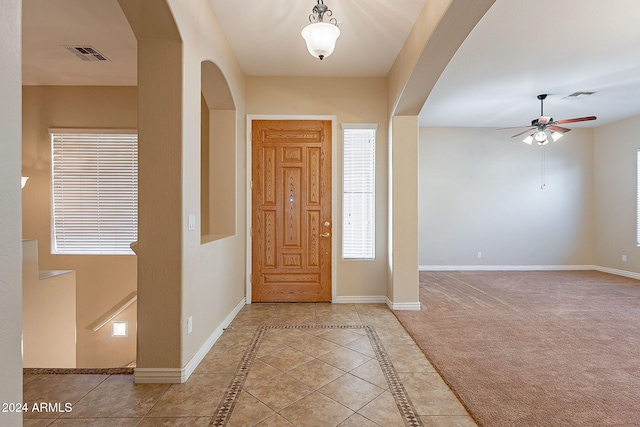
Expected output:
(264, 371)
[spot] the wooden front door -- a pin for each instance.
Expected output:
(291, 211)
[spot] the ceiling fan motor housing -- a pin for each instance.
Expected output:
(543, 120)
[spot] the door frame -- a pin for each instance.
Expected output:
(334, 194)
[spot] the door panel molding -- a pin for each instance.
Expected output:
(299, 145)
(336, 227)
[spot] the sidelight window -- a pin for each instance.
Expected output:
(358, 194)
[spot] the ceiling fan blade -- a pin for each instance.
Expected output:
(513, 127)
(523, 132)
(578, 119)
(559, 129)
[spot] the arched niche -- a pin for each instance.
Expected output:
(218, 156)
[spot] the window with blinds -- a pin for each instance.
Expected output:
(95, 191)
(358, 194)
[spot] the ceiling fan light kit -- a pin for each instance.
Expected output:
(541, 137)
(544, 127)
(321, 36)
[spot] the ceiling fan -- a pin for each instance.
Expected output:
(544, 127)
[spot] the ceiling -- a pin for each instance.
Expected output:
(520, 49)
(265, 35)
(48, 25)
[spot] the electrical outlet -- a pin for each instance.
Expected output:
(624, 258)
(189, 324)
(479, 255)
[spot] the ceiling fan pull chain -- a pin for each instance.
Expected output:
(542, 170)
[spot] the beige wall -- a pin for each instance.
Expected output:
(222, 175)
(403, 272)
(10, 222)
(179, 277)
(160, 213)
(480, 191)
(48, 313)
(436, 35)
(213, 273)
(352, 100)
(218, 124)
(616, 147)
(102, 280)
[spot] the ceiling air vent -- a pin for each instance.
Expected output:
(578, 95)
(86, 53)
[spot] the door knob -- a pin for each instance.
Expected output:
(327, 234)
(327, 223)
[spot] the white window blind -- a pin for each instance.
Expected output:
(95, 192)
(358, 195)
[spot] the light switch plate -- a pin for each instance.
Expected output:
(192, 222)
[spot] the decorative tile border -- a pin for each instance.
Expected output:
(405, 406)
(228, 402)
(408, 412)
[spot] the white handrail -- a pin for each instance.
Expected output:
(114, 311)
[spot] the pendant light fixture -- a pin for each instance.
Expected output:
(321, 36)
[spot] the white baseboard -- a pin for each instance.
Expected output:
(158, 376)
(178, 376)
(414, 306)
(367, 299)
(377, 299)
(624, 273)
(480, 267)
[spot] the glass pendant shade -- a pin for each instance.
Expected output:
(540, 137)
(556, 136)
(24, 181)
(528, 139)
(321, 38)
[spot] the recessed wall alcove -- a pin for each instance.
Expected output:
(217, 156)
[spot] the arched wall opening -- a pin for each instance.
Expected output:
(217, 156)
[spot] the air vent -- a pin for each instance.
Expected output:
(86, 53)
(578, 95)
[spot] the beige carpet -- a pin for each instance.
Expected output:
(534, 348)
